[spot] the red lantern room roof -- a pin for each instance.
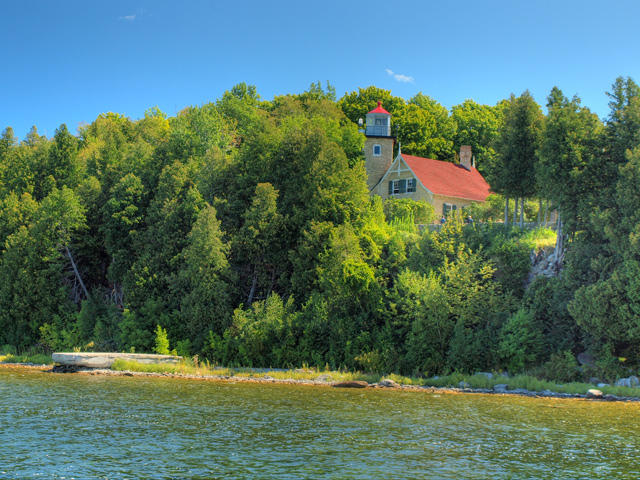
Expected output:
(379, 109)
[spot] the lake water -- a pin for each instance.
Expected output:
(73, 426)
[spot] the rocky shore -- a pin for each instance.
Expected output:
(327, 380)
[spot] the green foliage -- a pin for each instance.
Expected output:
(478, 127)
(423, 317)
(514, 172)
(568, 157)
(419, 211)
(512, 262)
(520, 342)
(562, 367)
(264, 335)
(245, 229)
(161, 342)
(55, 336)
(547, 300)
(441, 144)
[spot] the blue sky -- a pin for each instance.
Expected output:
(69, 61)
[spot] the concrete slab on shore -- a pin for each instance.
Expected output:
(105, 360)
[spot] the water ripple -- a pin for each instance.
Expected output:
(65, 426)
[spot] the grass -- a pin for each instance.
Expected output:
(477, 381)
(38, 358)
(187, 367)
(539, 238)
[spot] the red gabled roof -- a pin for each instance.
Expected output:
(379, 109)
(449, 179)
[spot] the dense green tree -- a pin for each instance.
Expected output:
(608, 310)
(15, 211)
(421, 322)
(123, 217)
(356, 105)
(147, 293)
(63, 163)
(568, 153)
(415, 129)
(477, 126)
(478, 310)
(513, 172)
(257, 246)
(204, 281)
(24, 167)
(7, 141)
(38, 273)
(441, 143)
(520, 343)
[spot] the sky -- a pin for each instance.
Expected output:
(67, 61)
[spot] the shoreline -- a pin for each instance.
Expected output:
(383, 384)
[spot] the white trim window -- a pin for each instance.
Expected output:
(447, 207)
(411, 185)
(377, 150)
(395, 189)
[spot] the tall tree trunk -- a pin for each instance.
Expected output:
(75, 270)
(559, 254)
(521, 212)
(506, 210)
(273, 280)
(539, 209)
(546, 212)
(515, 213)
(254, 284)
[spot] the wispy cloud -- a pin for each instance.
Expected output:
(128, 18)
(398, 77)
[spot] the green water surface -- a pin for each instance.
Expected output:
(73, 426)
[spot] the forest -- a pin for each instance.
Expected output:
(242, 231)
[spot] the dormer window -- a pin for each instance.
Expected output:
(377, 150)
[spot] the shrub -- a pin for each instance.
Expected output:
(562, 367)
(162, 341)
(520, 342)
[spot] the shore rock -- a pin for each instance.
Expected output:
(485, 374)
(631, 381)
(324, 378)
(593, 393)
(500, 388)
(388, 383)
(105, 360)
(623, 382)
(351, 384)
(463, 384)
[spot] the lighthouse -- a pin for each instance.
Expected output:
(378, 145)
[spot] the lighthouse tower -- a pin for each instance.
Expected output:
(378, 145)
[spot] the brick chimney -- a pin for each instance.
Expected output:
(465, 156)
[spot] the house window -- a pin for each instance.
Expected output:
(447, 207)
(411, 185)
(397, 186)
(377, 150)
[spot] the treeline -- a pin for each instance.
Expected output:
(243, 230)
